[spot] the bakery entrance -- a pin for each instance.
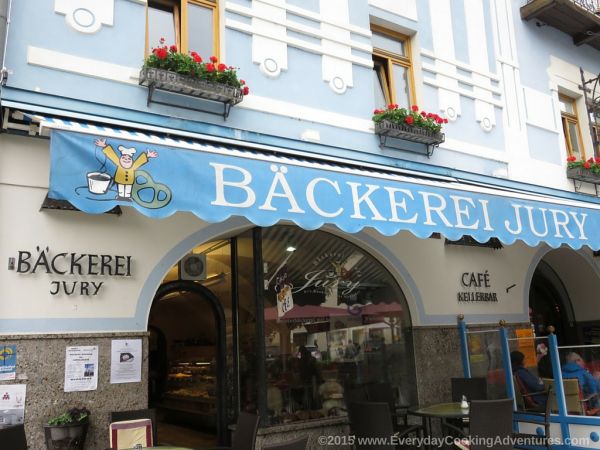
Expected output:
(187, 364)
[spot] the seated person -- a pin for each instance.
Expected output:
(529, 381)
(574, 367)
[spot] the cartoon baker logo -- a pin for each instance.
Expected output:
(132, 184)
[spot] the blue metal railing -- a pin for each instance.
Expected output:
(569, 431)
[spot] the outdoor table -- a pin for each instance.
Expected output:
(441, 411)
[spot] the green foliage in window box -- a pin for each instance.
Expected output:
(410, 117)
(74, 415)
(192, 65)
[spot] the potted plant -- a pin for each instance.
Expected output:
(188, 74)
(68, 430)
(409, 124)
(584, 170)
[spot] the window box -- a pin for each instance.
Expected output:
(166, 80)
(386, 129)
(582, 174)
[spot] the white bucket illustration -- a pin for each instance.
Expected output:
(98, 182)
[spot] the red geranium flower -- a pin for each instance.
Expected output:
(423, 113)
(571, 158)
(214, 59)
(161, 53)
(173, 48)
(242, 82)
(409, 120)
(415, 108)
(210, 67)
(246, 90)
(587, 165)
(221, 67)
(162, 40)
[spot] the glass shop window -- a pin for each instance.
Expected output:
(335, 322)
(392, 68)
(192, 25)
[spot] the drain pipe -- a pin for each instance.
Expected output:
(5, 7)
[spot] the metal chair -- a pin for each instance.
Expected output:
(13, 437)
(150, 413)
(488, 421)
(244, 437)
(526, 440)
(383, 392)
(374, 420)
(576, 401)
(472, 388)
(296, 444)
(245, 432)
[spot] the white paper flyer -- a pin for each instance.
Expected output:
(126, 361)
(81, 368)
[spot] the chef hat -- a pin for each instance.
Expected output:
(126, 151)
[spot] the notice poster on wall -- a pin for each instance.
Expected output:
(81, 368)
(126, 361)
(12, 404)
(8, 362)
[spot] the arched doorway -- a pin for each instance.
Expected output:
(549, 304)
(187, 364)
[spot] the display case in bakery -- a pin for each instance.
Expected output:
(190, 394)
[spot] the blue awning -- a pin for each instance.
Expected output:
(98, 168)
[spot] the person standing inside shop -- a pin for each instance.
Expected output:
(309, 377)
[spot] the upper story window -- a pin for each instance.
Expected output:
(392, 68)
(595, 121)
(189, 24)
(570, 123)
